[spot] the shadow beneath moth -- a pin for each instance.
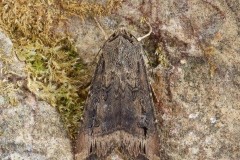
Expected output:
(119, 121)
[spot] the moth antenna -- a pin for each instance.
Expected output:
(100, 27)
(148, 34)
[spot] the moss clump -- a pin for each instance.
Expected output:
(7, 89)
(86, 9)
(55, 72)
(162, 58)
(157, 57)
(210, 53)
(33, 20)
(57, 75)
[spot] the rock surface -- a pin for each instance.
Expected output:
(32, 130)
(29, 129)
(197, 84)
(5, 43)
(198, 90)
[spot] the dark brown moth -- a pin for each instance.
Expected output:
(119, 113)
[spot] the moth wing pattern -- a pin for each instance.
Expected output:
(119, 112)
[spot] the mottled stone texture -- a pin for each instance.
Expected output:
(198, 91)
(30, 129)
(5, 43)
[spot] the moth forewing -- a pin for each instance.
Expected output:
(119, 112)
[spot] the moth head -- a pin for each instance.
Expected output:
(122, 31)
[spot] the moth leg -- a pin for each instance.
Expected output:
(148, 34)
(100, 27)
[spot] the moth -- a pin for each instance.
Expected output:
(119, 116)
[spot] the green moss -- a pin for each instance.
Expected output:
(57, 75)
(162, 58)
(9, 91)
(159, 57)
(210, 53)
(55, 72)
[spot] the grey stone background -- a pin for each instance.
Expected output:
(197, 92)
